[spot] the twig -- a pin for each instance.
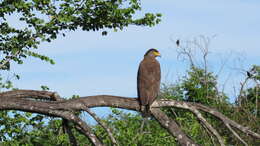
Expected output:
(209, 134)
(237, 136)
(103, 124)
(256, 97)
(239, 98)
(204, 121)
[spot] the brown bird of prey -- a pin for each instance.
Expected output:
(148, 80)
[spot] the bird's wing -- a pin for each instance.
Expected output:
(148, 81)
(155, 79)
(142, 82)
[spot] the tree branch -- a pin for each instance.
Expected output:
(240, 96)
(226, 120)
(65, 123)
(237, 136)
(17, 103)
(67, 129)
(22, 100)
(109, 131)
(207, 125)
(186, 105)
(83, 126)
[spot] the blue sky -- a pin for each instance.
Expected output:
(88, 63)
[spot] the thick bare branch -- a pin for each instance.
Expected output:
(226, 120)
(201, 118)
(186, 105)
(68, 105)
(8, 103)
(28, 94)
(18, 100)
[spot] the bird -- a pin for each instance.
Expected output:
(148, 80)
(249, 75)
(178, 43)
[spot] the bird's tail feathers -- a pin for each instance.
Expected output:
(145, 119)
(145, 111)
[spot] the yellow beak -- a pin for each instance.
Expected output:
(157, 54)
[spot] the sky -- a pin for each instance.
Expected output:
(88, 63)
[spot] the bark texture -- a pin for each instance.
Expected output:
(50, 103)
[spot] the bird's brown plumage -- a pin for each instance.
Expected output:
(148, 80)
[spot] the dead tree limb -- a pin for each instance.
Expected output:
(15, 100)
(27, 100)
(225, 119)
(187, 105)
(22, 101)
(202, 119)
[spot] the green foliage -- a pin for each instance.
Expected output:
(255, 71)
(251, 102)
(45, 88)
(15, 124)
(197, 86)
(43, 20)
(41, 134)
(200, 86)
(126, 127)
(190, 125)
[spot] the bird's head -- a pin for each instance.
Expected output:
(152, 53)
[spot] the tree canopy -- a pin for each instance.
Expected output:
(43, 20)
